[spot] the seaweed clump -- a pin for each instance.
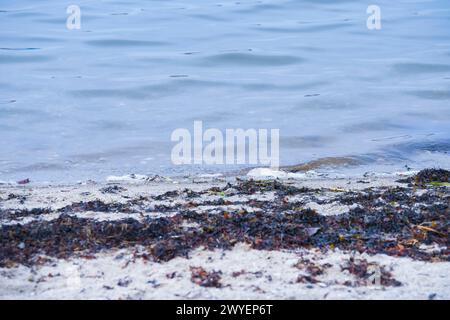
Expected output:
(254, 186)
(434, 177)
(203, 278)
(369, 273)
(392, 221)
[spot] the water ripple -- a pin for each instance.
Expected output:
(431, 94)
(6, 59)
(124, 43)
(305, 28)
(246, 59)
(418, 68)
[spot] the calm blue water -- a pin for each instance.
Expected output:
(77, 104)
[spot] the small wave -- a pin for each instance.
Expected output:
(371, 126)
(419, 68)
(305, 28)
(19, 49)
(431, 146)
(207, 17)
(295, 142)
(33, 39)
(154, 91)
(246, 59)
(431, 94)
(124, 43)
(6, 59)
(260, 8)
(327, 162)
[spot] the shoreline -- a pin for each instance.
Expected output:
(331, 167)
(229, 237)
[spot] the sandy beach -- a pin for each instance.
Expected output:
(267, 235)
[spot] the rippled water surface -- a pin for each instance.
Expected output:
(78, 104)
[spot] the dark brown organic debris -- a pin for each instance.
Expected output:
(203, 278)
(369, 273)
(428, 176)
(395, 221)
(307, 279)
(112, 189)
(24, 181)
(312, 268)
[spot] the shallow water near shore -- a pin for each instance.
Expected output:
(102, 100)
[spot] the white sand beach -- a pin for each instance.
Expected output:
(242, 272)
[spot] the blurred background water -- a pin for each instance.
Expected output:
(78, 104)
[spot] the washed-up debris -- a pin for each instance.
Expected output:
(20, 213)
(191, 194)
(112, 189)
(206, 279)
(236, 274)
(20, 198)
(98, 206)
(24, 181)
(252, 186)
(67, 235)
(124, 282)
(312, 268)
(167, 195)
(369, 273)
(307, 279)
(434, 177)
(396, 221)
